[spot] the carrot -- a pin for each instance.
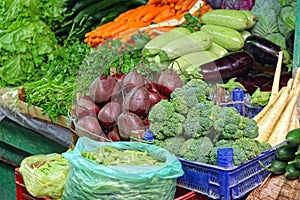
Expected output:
(107, 32)
(151, 15)
(126, 15)
(148, 8)
(282, 125)
(272, 115)
(276, 79)
(178, 4)
(191, 4)
(154, 1)
(172, 1)
(187, 4)
(204, 9)
(163, 16)
(128, 26)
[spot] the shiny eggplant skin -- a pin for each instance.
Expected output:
(236, 64)
(263, 50)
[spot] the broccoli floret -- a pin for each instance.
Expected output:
(186, 97)
(224, 142)
(231, 131)
(249, 146)
(159, 143)
(164, 121)
(197, 149)
(231, 125)
(161, 111)
(180, 100)
(184, 147)
(263, 146)
(174, 125)
(219, 125)
(197, 121)
(231, 115)
(251, 130)
(239, 156)
(173, 144)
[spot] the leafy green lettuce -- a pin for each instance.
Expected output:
(26, 38)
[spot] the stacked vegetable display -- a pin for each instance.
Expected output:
(287, 160)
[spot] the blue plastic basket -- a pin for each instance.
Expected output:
(225, 183)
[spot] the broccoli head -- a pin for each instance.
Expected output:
(231, 125)
(251, 130)
(231, 115)
(196, 149)
(164, 121)
(161, 111)
(173, 144)
(249, 146)
(197, 121)
(186, 97)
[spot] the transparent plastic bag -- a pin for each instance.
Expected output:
(90, 180)
(45, 175)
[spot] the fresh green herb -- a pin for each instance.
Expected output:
(54, 92)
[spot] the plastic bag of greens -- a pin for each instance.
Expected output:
(44, 175)
(89, 180)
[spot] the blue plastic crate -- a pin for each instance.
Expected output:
(225, 183)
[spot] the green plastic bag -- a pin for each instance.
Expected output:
(89, 180)
(44, 175)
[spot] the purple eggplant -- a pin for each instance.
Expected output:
(236, 64)
(263, 50)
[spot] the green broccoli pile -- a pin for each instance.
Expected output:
(189, 125)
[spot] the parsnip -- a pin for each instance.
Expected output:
(263, 112)
(281, 128)
(276, 79)
(296, 78)
(267, 122)
(294, 122)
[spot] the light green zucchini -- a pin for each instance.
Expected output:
(218, 50)
(250, 17)
(196, 41)
(192, 61)
(154, 46)
(245, 34)
(234, 19)
(227, 38)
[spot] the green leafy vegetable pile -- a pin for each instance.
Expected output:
(26, 38)
(54, 91)
(190, 125)
(275, 19)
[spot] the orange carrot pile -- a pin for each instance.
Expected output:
(154, 12)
